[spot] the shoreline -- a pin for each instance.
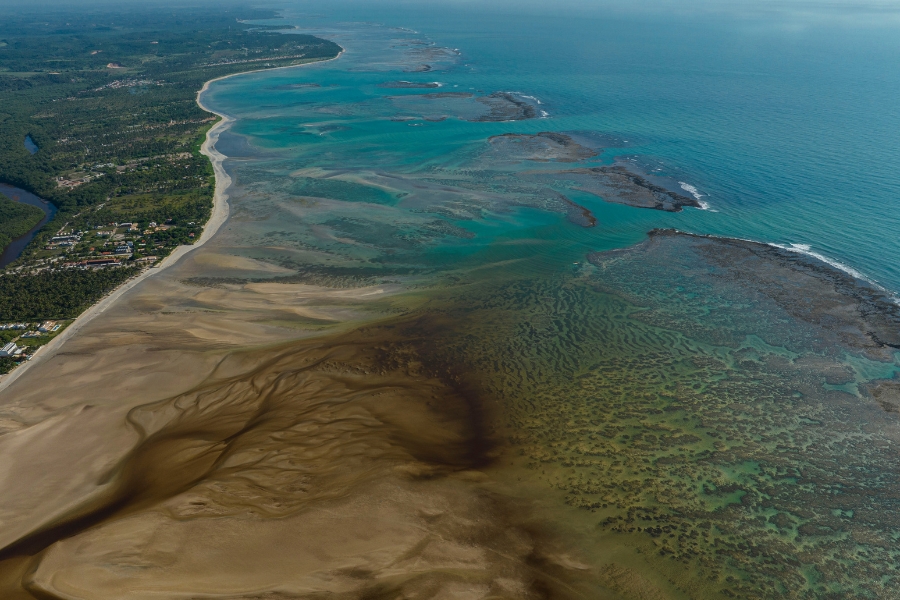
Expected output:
(217, 218)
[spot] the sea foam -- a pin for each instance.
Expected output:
(807, 250)
(704, 205)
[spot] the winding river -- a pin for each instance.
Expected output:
(15, 248)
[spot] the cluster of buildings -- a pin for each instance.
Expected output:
(45, 327)
(126, 83)
(64, 241)
(13, 350)
(123, 249)
(103, 246)
(94, 263)
(110, 257)
(73, 181)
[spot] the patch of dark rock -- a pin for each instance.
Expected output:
(886, 393)
(579, 215)
(838, 375)
(449, 229)
(617, 184)
(504, 106)
(542, 147)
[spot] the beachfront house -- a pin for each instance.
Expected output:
(48, 326)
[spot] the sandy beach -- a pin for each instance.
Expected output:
(217, 218)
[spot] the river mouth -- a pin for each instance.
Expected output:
(17, 246)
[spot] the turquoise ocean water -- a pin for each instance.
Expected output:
(730, 440)
(785, 119)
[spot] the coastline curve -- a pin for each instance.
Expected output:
(217, 218)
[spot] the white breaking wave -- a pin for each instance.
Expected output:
(807, 250)
(704, 205)
(544, 114)
(526, 96)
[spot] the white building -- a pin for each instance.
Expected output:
(47, 326)
(10, 350)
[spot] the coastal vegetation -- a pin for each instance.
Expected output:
(16, 219)
(107, 96)
(56, 294)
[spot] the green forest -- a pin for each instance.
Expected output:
(62, 294)
(107, 94)
(16, 219)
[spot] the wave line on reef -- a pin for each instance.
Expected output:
(804, 249)
(693, 191)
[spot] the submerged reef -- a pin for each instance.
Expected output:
(426, 56)
(496, 107)
(409, 85)
(862, 315)
(619, 184)
(545, 146)
(504, 106)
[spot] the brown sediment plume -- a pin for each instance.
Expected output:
(349, 465)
